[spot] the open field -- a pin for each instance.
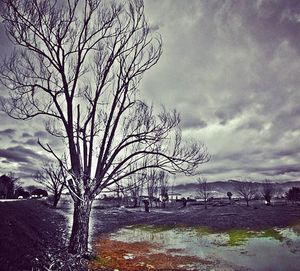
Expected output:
(32, 234)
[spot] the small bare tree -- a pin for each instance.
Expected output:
(152, 185)
(163, 179)
(54, 178)
(135, 186)
(246, 189)
(78, 64)
(204, 189)
(268, 191)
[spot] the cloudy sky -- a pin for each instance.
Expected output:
(231, 68)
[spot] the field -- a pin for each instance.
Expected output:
(35, 236)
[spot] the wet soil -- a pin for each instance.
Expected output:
(217, 218)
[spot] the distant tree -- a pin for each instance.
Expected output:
(135, 186)
(246, 189)
(293, 194)
(8, 184)
(268, 191)
(54, 178)
(229, 195)
(152, 185)
(20, 192)
(204, 189)
(163, 179)
(39, 192)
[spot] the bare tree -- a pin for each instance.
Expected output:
(268, 191)
(135, 186)
(78, 64)
(163, 179)
(246, 189)
(54, 178)
(152, 185)
(204, 189)
(8, 184)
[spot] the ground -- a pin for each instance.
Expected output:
(34, 235)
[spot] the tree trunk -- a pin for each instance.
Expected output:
(80, 229)
(55, 201)
(247, 202)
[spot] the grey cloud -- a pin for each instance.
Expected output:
(193, 122)
(290, 152)
(32, 142)
(41, 134)
(8, 132)
(25, 135)
(251, 125)
(20, 154)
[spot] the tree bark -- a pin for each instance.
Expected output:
(55, 201)
(80, 229)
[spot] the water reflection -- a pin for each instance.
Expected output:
(272, 249)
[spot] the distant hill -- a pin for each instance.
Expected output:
(220, 188)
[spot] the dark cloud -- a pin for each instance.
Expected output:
(193, 122)
(20, 154)
(8, 132)
(32, 142)
(251, 125)
(25, 135)
(41, 134)
(290, 152)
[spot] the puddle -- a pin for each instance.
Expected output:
(146, 247)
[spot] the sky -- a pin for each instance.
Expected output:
(231, 68)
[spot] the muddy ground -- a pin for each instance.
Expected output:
(33, 236)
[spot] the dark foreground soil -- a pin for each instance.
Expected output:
(29, 233)
(33, 236)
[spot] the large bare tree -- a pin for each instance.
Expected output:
(78, 64)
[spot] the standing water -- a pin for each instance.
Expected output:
(199, 248)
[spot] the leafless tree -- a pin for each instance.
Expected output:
(268, 191)
(246, 189)
(163, 180)
(152, 185)
(54, 178)
(78, 64)
(8, 184)
(204, 189)
(135, 186)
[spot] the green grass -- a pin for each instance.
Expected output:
(239, 237)
(203, 230)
